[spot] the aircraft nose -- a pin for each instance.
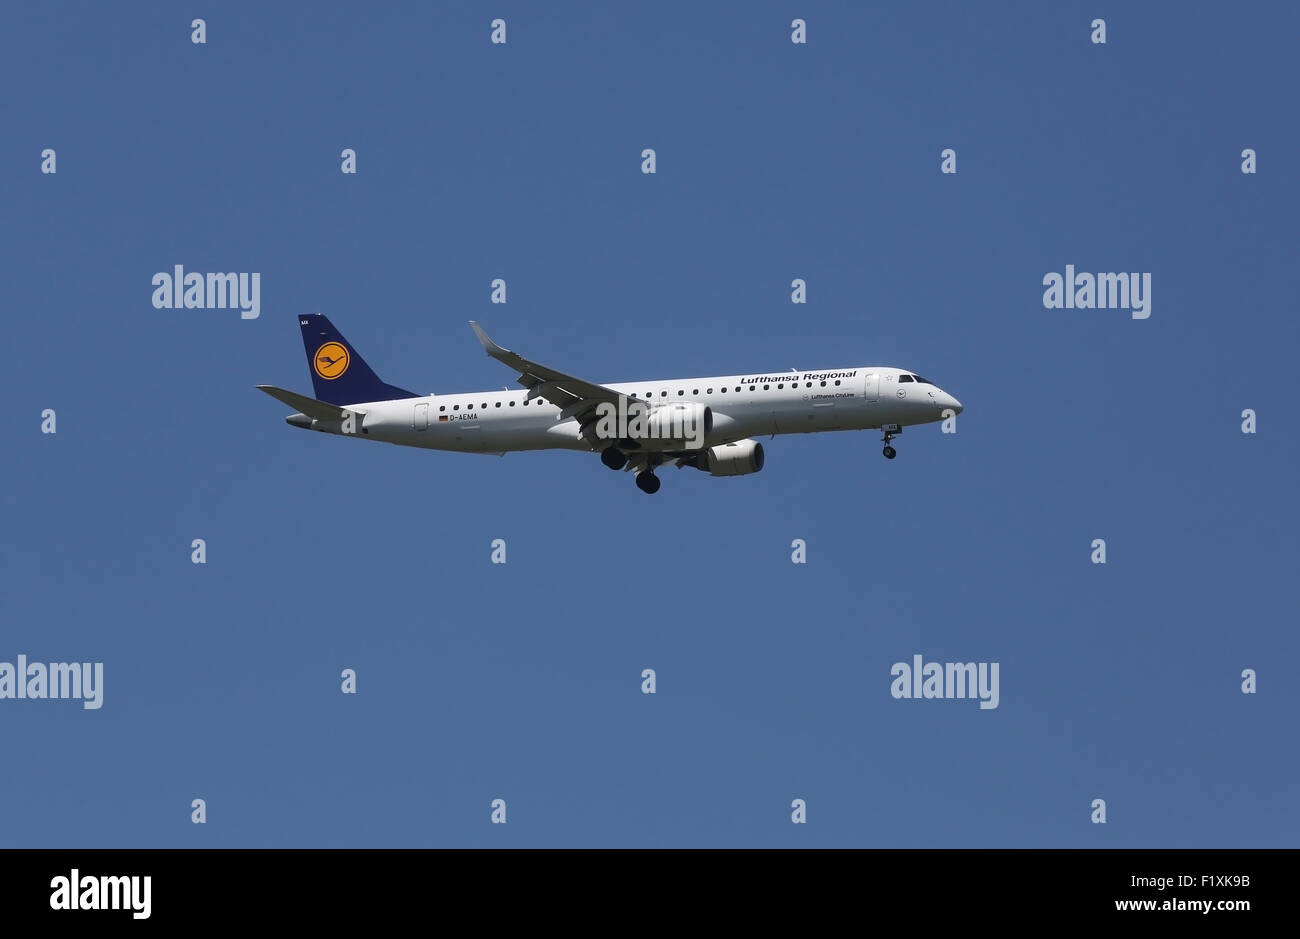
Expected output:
(951, 402)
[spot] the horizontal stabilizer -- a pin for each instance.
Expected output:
(309, 406)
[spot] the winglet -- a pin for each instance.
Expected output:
(490, 347)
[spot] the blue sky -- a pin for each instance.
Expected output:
(522, 681)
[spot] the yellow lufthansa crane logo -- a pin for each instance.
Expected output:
(331, 361)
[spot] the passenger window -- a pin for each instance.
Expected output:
(751, 387)
(680, 393)
(695, 391)
(455, 407)
(442, 407)
(512, 404)
(904, 377)
(498, 404)
(809, 385)
(765, 387)
(837, 381)
(780, 386)
(709, 391)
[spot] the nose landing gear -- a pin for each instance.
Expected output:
(891, 431)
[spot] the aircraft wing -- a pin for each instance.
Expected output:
(574, 397)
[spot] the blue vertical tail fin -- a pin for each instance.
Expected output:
(339, 375)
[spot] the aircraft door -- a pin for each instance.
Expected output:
(421, 419)
(871, 388)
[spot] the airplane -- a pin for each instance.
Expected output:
(705, 423)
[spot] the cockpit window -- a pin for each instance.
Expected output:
(924, 381)
(904, 377)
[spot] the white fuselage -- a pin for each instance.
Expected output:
(753, 405)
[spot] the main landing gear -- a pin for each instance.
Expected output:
(642, 463)
(891, 431)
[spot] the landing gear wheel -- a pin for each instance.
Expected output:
(614, 458)
(647, 482)
(891, 431)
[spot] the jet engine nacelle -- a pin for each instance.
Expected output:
(733, 459)
(677, 426)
